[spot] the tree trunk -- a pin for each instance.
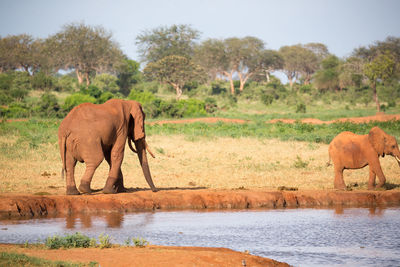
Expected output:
(178, 90)
(267, 75)
(87, 78)
(378, 106)
(79, 76)
(243, 80)
(229, 75)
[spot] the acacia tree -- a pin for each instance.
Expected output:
(270, 61)
(155, 44)
(328, 76)
(302, 60)
(380, 68)
(17, 52)
(175, 71)
(85, 49)
(230, 57)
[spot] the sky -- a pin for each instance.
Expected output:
(342, 25)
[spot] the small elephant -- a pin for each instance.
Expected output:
(90, 133)
(351, 151)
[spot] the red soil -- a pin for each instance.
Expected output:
(149, 256)
(377, 117)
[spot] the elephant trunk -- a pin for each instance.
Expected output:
(141, 146)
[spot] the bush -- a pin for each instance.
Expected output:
(76, 99)
(210, 105)
(41, 81)
(301, 108)
(66, 84)
(192, 107)
(48, 105)
(142, 97)
(76, 240)
(104, 97)
(106, 82)
(218, 87)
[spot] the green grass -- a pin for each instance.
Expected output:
(295, 132)
(17, 259)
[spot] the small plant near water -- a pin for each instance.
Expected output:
(76, 240)
(105, 241)
(140, 242)
(17, 259)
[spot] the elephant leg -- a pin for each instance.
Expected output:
(371, 181)
(70, 164)
(375, 168)
(118, 186)
(114, 181)
(339, 181)
(91, 167)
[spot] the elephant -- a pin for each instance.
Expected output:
(92, 132)
(351, 151)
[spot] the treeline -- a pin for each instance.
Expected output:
(95, 69)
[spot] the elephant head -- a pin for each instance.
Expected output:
(136, 133)
(384, 144)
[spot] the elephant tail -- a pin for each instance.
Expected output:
(329, 161)
(63, 152)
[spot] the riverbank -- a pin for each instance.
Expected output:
(31, 206)
(147, 256)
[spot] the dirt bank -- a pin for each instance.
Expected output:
(149, 256)
(18, 205)
(377, 117)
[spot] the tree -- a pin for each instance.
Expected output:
(232, 56)
(328, 76)
(380, 68)
(85, 49)
(302, 60)
(156, 44)
(16, 52)
(210, 55)
(270, 61)
(128, 74)
(292, 61)
(175, 71)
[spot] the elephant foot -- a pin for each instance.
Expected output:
(85, 188)
(71, 190)
(154, 189)
(110, 187)
(121, 189)
(340, 187)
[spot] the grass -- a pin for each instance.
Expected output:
(18, 259)
(221, 155)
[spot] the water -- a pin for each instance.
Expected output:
(300, 237)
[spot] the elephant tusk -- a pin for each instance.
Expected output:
(397, 158)
(130, 146)
(148, 149)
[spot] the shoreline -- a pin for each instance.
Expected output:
(16, 205)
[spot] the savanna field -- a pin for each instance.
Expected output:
(222, 155)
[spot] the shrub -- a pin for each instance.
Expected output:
(140, 242)
(267, 99)
(210, 105)
(76, 99)
(66, 83)
(104, 97)
(106, 82)
(41, 81)
(142, 97)
(76, 240)
(192, 107)
(48, 105)
(301, 108)
(105, 241)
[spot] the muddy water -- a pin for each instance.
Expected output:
(300, 237)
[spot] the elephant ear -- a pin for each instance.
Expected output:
(377, 139)
(138, 120)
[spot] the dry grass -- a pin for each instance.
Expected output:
(227, 163)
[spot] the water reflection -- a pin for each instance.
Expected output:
(300, 237)
(373, 211)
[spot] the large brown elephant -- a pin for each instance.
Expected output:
(351, 151)
(90, 133)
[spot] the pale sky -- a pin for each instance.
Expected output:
(342, 25)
